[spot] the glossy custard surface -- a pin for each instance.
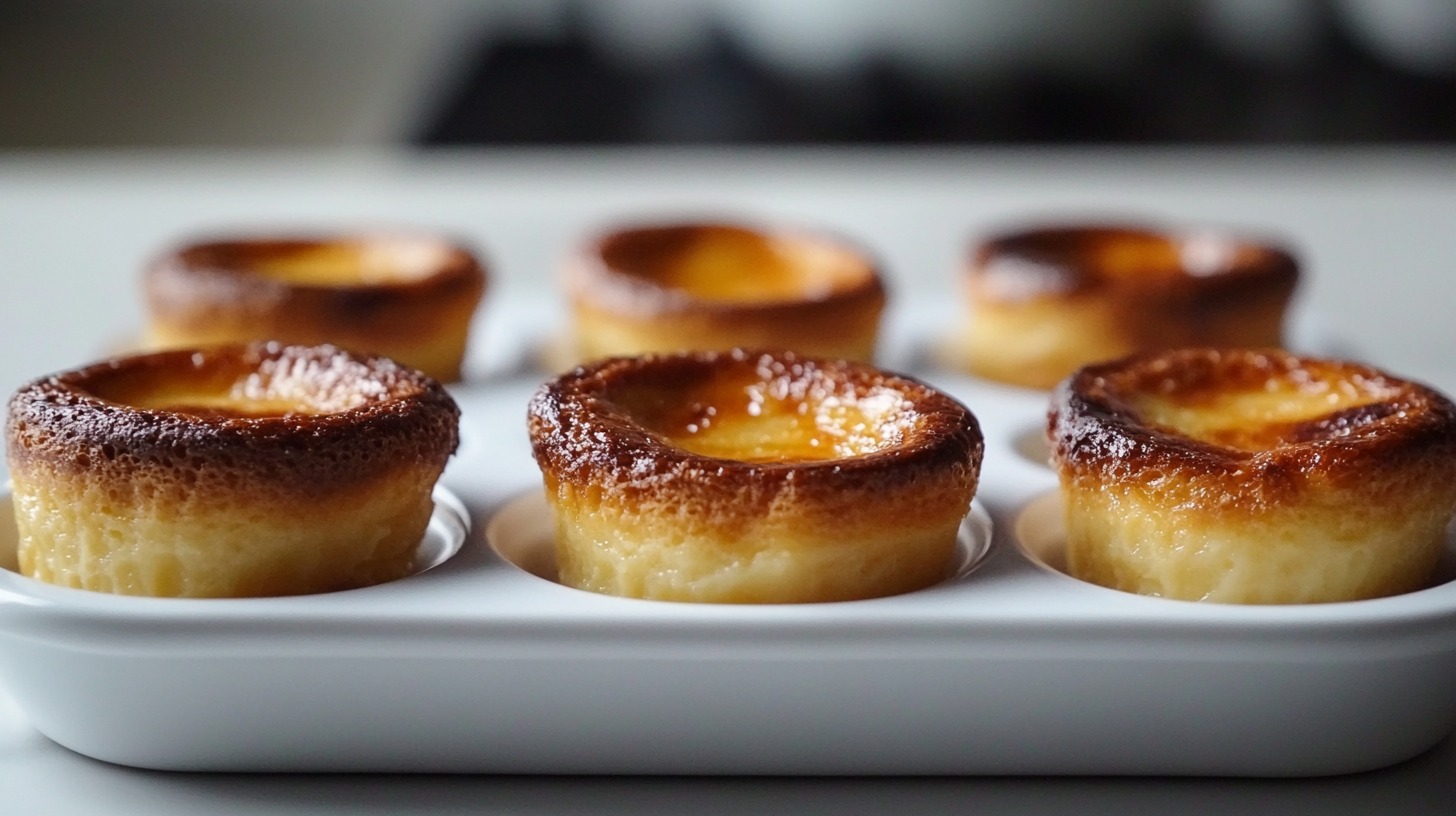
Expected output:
(1150, 256)
(735, 266)
(741, 416)
(1134, 257)
(220, 387)
(1257, 413)
(1051, 261)
(350, 263)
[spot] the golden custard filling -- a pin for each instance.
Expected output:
(733, 266)
(274, 389)
(351, 263)
(767, 422)
(1256, 417)
(1134, 257)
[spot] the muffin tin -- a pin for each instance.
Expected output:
(484, 664)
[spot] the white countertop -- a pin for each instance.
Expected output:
(1377, 232)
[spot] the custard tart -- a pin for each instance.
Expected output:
(748, 477)
(231, 471)
(408, 297)
(1043, 302)
(1250, 476)
(711, 287)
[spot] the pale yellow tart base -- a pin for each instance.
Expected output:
(1038, 342)
(667, 552)
(1311, 554)
(1035, 345)
(847, 332)
(79, 533)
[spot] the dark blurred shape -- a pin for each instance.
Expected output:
(525, 91)
(385, 73)
(1183, 86)
(232, 73)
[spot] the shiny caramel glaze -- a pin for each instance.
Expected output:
(715, 286)
(1261, 435)
(1066, 260)
(1046, 301)
(406, 297)
(264, 416)
(626, 424)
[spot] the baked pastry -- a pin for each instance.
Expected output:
(1046, 301)
(1252, 476)
(407, 297)
(246, 470)
(707, 287)
(739, 477)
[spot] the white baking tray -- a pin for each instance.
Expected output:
(484, 664)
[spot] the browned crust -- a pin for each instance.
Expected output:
(613, 273)
(204, 284)
(1070, 260)
(580, 433)
(403, 420)
(1404, 440)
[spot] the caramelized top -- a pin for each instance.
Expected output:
(1067, 259)
(1263, 411)
(345, 261)
(227, 386)
(720, 266)
(236, 403)
(1227, 413)
(742, 415)
(760, 414)
(350, 262)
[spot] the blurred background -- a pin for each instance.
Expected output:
(380, 73)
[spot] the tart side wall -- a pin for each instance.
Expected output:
(1035, 342)
(764, 546)
(839, 328)
(156, 537)
(1343, 545)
